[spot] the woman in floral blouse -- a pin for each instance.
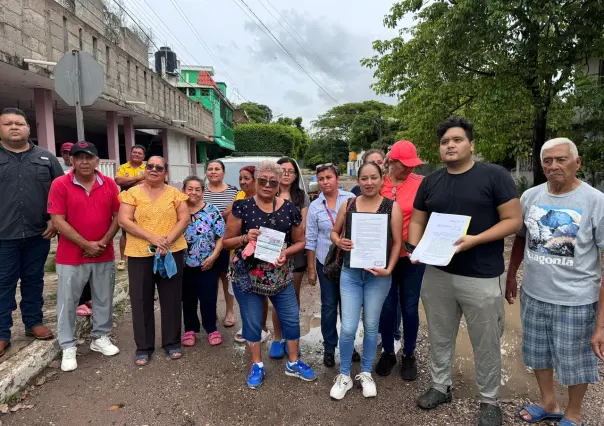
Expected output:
(204, 244)
(253, 279)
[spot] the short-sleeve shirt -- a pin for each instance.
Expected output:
(477, 193)
(404, 195)
(206, 227)
(266, 278)
(127, 170)
(221, 200)
(157, 217)
(564, 235)
(89, 213)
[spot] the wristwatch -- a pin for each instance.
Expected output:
(409, 247)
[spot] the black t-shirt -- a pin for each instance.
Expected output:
(476, 193)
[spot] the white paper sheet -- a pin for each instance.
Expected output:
(436, 246)
(269, 245)
(369, 234)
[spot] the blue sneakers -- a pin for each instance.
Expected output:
(254, 380)
(276, 351)
(301, 370)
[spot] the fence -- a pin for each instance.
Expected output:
(107, 167)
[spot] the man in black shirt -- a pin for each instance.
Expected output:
(26, 172)
(472, 283)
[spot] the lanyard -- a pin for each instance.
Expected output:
(328, 213)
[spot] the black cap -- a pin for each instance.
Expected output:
(85, 147)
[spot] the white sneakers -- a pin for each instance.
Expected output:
(369, 390)
(69, 362)
(341, 385)
(104, 346)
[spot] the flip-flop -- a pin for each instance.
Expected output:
(121, 265)
(141, 360)
(175, 353)
(239, 336)
(188, 339)
(228, 322)
(538, 414)
(215, 338)
(83, 311)
(568, 422)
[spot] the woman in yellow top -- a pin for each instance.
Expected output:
(154, 216)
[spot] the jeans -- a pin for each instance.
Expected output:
(22, 259)
(406, 284)
(360, 289)
(198, 285)
(251, 307)
(330, 298)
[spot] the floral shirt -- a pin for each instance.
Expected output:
(267, 279)
(207, 226)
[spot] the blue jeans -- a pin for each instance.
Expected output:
(22, 259)
(330, 299)
(251, 307)
(359, 288)
(406, 284)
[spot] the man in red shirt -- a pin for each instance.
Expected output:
(83, 205)
(401, 185)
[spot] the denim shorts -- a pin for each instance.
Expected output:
(251, 307)
(558, 337)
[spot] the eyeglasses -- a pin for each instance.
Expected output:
(271, 182)
(323, 166)
(155, 167)
(287, 172)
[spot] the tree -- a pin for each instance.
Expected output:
(297, 124)
(257, 113)
(359, 126)
(508, 65)
(323, 150)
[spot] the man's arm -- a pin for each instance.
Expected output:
(312, 233)
(516, 259)
(126, 181)
(113, 228)
(90, 248)
(510, 221)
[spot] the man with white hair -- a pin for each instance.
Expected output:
(560, 245)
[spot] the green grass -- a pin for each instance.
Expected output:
(12, 399)
(51, 264)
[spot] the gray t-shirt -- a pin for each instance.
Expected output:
(564, 235)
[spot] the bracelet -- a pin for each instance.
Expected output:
(242, 239)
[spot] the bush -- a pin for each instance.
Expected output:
(268, 138)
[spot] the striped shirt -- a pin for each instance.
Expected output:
(221, 200)
(318, 224)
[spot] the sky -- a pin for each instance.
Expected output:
(327, 37)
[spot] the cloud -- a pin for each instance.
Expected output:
(298, 98)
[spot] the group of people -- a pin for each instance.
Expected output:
(184, 241)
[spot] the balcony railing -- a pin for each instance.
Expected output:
(227, 132)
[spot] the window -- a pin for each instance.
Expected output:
(183, 90)
(138, 89)
(145, 78)
(107, 59)
(95, 45)
(81, 41)
(205, 92)
(192, 92)
(152, 88)
(128, 84)
(65, 35)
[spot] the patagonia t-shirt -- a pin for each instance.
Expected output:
(564, 235)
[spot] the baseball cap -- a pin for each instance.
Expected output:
(66, 146)
(405, 152)
(85, 147)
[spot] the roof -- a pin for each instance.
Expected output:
(205, 79)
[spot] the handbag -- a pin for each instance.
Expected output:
(333, 261)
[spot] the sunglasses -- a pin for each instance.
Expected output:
(155, 167)
(322, 166)
(288, 172)
(272, 183)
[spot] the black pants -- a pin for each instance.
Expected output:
(142, 294)
(198, 285)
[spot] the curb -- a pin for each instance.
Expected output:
(18, 370)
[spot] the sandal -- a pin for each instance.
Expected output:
(228, 322)
(239, 336)
(215, 338)
(538, 414)
(568, 422)
(141, 360)
(121, 265)
(83, 311)
(175, 353)
(188, 339)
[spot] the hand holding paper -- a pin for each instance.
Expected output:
(438, 244)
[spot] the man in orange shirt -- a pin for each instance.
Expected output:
(401, 185)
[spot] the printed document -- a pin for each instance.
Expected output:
(436, 246)
(369, 235)
(269, 245)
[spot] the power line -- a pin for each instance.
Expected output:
(206, 47)
(276, 40)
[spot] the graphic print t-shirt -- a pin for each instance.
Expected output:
(564, 235)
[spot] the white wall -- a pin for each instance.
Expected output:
(179, 157)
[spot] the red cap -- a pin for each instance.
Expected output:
(405, 152)
(66, 147)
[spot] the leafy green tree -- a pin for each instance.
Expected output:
(257, 113)
(507, 65)
(323, 150)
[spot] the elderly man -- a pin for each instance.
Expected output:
(84, 205)
(471, 284)
(560, 244)
(128, 175)
(26, 172)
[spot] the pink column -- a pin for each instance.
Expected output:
(193, 152)
(128, 133)
(44, 119)
(113, 140)
(164, 144)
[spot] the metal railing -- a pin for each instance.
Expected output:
(227, 132)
